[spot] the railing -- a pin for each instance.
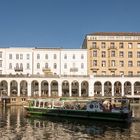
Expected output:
(18, 69)
(59, 76)
(28, 76)
(46, 69)
(73, 69)
(94, 47)
(112, 47)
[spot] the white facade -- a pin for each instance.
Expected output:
(23, 73)
(18, 60)
(73, 62)
(32, 61)
(46, 58)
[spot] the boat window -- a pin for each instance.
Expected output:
(37, 104)
(32, 103)
(41, 104)
(46, 104)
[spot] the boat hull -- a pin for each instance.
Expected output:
(109, 116)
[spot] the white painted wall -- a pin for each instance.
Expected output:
(13, 61)
(3, 60)
(51, 60)
(73, 62)
(60, 60)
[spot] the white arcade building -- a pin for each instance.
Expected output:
(56, 72)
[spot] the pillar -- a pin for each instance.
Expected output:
(49, 89)
(80, 89)
(112, 89)
(102, 89)
(90, 89)
(8, 89)
(59, 90)
(70, 90)
(29, 89)
(18, 89)
(122, 94)
(132, 90)
(39, 89)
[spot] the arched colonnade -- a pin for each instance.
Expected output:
(68, 88)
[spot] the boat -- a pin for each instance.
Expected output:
(93, 109)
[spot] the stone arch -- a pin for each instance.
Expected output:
(75, 89)
(107, 89)
(117, 88)
(4, 88)
(44, 88)
(137, 88)
(35, 88)
(84, 89)
(54, 88)
(97, 88)
(127, 88)
(13, 88)
(23, 88)
(65, 88)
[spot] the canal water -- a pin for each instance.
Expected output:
(15, 126)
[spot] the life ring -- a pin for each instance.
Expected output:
(91, 106)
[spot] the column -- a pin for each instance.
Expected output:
(59, 90)
(70, 90)
(39, 89)
(18, 88)
(123, 89)
(8, 89)
(29, 89)
(132, 90)
(80, 89)
(90, 89)
(102, 89)
(112, 89)
(49, 89)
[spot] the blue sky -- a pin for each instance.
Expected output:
(63, 23)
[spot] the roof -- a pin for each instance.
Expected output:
(115, 33)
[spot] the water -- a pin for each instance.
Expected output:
(15, 126)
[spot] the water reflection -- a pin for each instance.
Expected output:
(15, 126)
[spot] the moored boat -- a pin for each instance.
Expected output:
(94, 109)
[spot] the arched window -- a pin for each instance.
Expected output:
(65, 56)
(82, 65)
(38, 65)
(46, 56)
(82, 56)
(54, 56)
(65, 66)
(21, 65)
(38, 56)
(54, 66)
(46, 65)
(73, 56)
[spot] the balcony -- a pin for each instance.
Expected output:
(74, 69)
(47, 70)
(112, 68)
(94, 68)
(17, 69)
(94, 47)
(112, 48)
